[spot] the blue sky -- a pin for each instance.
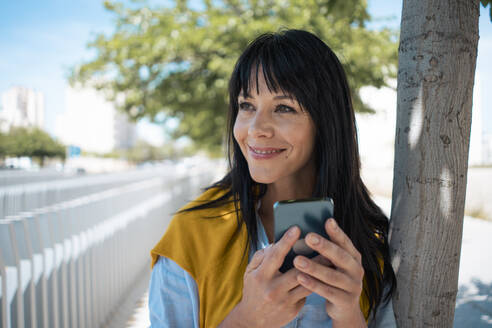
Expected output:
(41, 40)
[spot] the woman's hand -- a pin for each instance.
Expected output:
(270, 298)
(340, 283)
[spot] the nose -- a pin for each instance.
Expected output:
(261, 125)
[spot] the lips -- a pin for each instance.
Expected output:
(264, 152)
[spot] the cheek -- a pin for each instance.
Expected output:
(239, 131)
(299, 133)
(305, 140)
(312, 140)
(311, 137)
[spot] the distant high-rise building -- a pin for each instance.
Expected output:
(93, 124)
(23, 107)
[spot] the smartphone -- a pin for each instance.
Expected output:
(309, 215)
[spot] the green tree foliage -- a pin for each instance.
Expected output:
(177, 60)
(485, 3)
(30, 142)
(143, 152)
(5, 145)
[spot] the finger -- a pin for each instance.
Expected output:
(328, 275)
(299, 293)
(275, 256)
(337, 255)
(330, 293)
(287, 281)
(341, 239)
(323, 260)
(282, 284)
(299, 304)
(255, 261)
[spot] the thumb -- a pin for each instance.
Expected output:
(255, 261)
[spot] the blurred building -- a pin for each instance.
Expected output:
(487, 148)
(475, 154)
(22, 107)
(92, 123)
(376, 132)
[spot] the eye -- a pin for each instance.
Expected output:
(285, 109)
(245, 106)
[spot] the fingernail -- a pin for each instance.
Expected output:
(333, 224)
(292, 231)
(301, 262)
(302, 278)
(313, 239)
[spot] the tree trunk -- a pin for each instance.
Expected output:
(437, 57)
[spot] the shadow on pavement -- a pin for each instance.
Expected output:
(474, 305)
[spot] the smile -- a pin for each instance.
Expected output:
(264, 152)
(267, 151)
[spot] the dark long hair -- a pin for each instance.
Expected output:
(300, 64)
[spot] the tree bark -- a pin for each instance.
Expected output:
(437, 58)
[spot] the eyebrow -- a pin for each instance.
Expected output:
(283, 97)
(276, 97)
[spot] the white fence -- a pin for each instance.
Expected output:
(71, 250)
(13, 177)
(28, 196)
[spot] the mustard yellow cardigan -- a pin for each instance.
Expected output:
(203, 243)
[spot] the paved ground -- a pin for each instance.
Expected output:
(134, 313)
(474, 301)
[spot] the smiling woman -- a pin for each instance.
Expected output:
(276, 136)
(291, 135)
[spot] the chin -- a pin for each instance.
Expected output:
(262, 178)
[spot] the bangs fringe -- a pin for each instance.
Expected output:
(281, 72)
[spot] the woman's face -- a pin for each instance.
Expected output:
(275, 134)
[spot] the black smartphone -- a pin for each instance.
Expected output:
(309, 215)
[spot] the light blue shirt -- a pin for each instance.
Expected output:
(173, 299)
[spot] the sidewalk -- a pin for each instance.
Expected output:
(474, 299)
(473, 303)
(134, 312)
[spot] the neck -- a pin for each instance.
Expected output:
(287, 191)
(299, 188)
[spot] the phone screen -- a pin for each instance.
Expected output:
(309, 215)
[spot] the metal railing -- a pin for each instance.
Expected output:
(29, 196)
(70, 263)
(16, 177)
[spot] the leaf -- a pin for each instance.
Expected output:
(177, 61)
(485, 3)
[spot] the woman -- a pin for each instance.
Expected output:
(291, 135)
